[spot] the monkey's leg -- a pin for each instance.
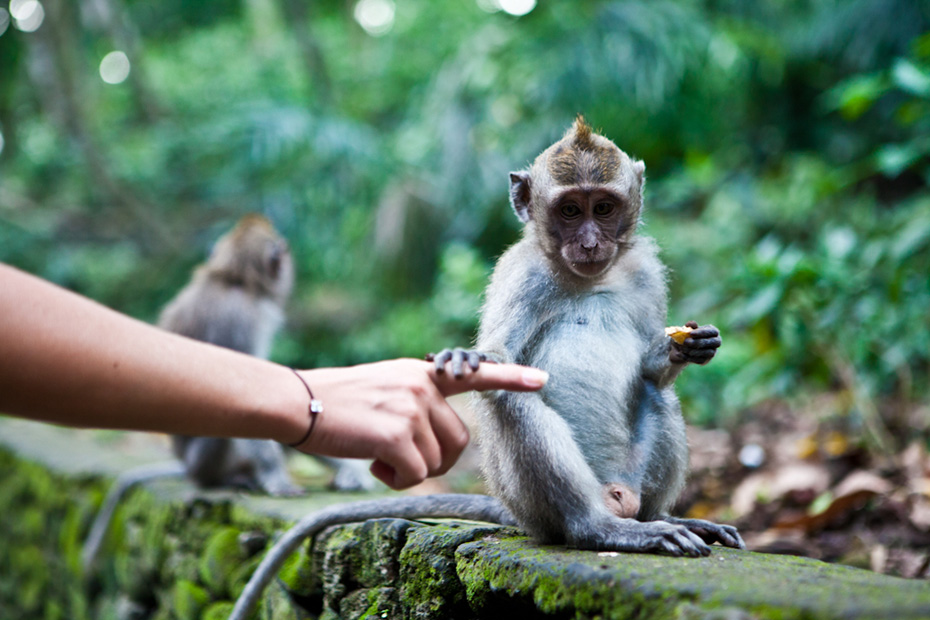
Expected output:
(542, 476)
(660, 449)
(651, 471)
(205, 460)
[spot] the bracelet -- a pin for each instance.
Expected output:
(316, 406)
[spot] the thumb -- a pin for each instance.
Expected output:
(509, 377)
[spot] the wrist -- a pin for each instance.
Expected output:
(314, 409)
(283, 406)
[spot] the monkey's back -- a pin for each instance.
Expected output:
(227, 316)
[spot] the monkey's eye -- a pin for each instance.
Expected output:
(603, 208)
(570, 210)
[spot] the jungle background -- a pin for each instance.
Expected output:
(787, 145)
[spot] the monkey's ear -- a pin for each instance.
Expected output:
(640, 169)
(520, 195)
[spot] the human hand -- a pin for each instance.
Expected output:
(395, 412)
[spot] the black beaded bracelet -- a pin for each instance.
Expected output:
(316, 407)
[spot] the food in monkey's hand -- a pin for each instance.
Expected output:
(678, 333)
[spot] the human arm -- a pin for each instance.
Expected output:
(68, 360)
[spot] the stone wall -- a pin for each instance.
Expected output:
(176, 553)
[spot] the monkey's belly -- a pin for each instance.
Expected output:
(594, 383)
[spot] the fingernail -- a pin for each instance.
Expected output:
(534, 377)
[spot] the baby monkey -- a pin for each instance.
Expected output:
(597, 458)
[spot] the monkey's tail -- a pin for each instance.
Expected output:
(123, 483)
(461, 506)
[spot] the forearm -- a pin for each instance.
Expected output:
(657, 366)
(69, 360)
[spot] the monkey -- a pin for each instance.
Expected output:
(595, 459)
(236, 300)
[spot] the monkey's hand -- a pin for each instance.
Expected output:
(698, 348)
(710, 532)
(459, 357)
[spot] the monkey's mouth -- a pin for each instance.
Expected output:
(590, 267)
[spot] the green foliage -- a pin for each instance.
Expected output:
(787, 147)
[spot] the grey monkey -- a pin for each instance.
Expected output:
(236, 300)
(596, 459)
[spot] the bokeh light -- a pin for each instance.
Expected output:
(375, 16)
(27, 15)
(517, 7)
(114, 68)
(4, 20)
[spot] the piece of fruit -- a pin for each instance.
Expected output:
(678, 333)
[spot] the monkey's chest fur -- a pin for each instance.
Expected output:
(594, 360)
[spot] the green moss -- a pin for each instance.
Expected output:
(430, 586)
(571, 582)
(188, 600)
(220, 560)
(370, 603)
(219, 610)
(298, 573)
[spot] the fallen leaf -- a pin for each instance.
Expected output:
(862, 480)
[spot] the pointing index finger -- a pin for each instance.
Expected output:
(510, 377)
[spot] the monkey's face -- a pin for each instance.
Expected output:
(590, 228)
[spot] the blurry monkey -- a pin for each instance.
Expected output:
(236, 300)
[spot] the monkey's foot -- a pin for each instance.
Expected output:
(726, 535)
(640, 537)
(621, 500)
(459, 357)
